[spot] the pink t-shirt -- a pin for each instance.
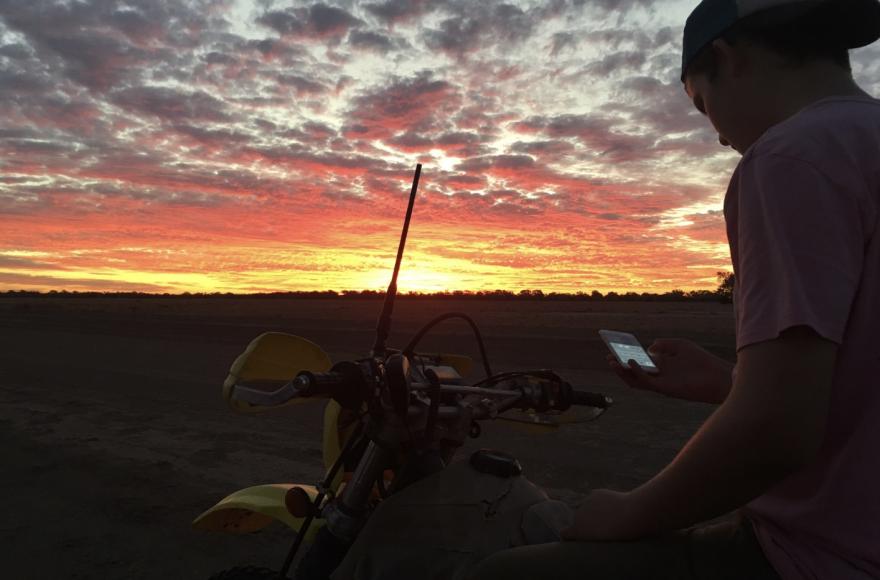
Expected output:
(802, 215)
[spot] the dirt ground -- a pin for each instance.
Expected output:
(115, 435)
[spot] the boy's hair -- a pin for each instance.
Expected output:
(798, 37)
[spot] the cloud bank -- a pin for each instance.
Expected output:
(234, 146)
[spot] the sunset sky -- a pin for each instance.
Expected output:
(242, 146)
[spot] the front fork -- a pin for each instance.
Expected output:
(343, 518)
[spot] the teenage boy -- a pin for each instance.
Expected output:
(793, 450)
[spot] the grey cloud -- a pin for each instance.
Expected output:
(666, 35)
(498, 162)
(329, 19)
(616, 63)
(615, 6)
(20, 83)
(83, 38)
(462, 143)
(480, 117)
(420, 104)
(370, 40)
(297, 155)
(398, 11)
(393, 11)
(483, 23)
(215, 57)
(616, 38)
(594, 132)
(310, 133)
(171, 104)
(539, 148)
(411, 141)
(644, 86)
(98, 62)
(317, 21)
(302, 85)
(462, 180)
(215, 137)
(457, 143)
(274, 48)
(661, 108)
(563, 40)
(318, 130)
(52, 116)
(133, 23)
(15, 51)
(34, 146)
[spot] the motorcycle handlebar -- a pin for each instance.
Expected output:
(586, 398)
(305, 384)
(309, 384)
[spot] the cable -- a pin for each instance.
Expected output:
(490, 380)
(410, 348)
(434, 394)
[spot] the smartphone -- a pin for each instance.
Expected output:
(626, 347)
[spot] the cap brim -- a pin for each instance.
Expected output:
(860, 20)
(856, 23)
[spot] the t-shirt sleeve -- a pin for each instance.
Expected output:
(801, 249)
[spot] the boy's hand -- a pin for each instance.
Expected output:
(686, 372)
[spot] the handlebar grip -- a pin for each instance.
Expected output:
(310, 384)
(591, 399)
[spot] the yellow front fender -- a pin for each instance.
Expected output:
(254, 508)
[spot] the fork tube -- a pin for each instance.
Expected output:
(371, 466)
(328, 481)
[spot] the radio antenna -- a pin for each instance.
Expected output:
(384, 325)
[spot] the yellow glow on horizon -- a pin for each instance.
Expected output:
(412, 280)
(438, 266)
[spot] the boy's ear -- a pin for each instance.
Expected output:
(734, 58)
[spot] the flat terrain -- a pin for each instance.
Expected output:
(114, 434)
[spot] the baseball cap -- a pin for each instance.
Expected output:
(857, 22)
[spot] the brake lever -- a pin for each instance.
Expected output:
(261, 398)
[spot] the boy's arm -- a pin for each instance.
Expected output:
(771, 425)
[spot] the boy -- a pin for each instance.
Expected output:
(792, 450)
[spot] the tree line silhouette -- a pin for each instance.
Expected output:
(723, 294)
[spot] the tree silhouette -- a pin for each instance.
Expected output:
(726, 280)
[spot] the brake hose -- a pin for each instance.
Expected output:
(410, 348)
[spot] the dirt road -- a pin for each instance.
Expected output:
(115, 436)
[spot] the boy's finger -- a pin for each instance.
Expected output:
(626, 375)
(640, 374)
(615, 365)
(663, 346)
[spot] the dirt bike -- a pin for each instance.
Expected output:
(394, 503)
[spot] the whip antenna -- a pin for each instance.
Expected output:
(384, 325)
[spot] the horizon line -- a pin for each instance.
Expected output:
(529, 293)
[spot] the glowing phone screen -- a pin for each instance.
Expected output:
(628, 352)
